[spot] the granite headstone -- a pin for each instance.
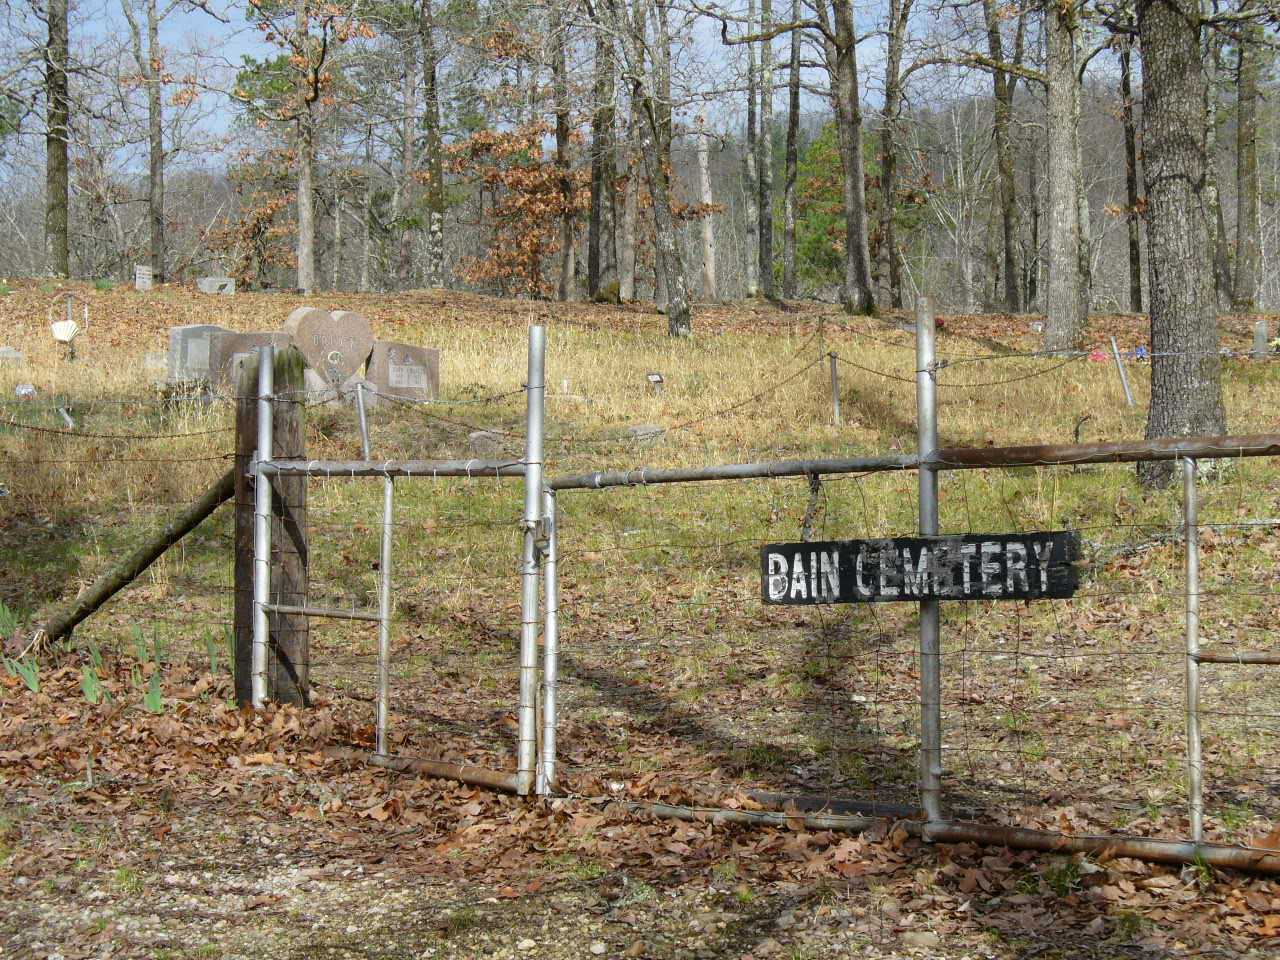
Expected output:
(406, 371)
(189, 350)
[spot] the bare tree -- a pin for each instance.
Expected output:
(57, 55)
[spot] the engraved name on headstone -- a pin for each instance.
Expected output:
(335, 345)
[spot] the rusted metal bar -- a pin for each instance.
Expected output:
(443, 769)
(1259, 659)
(1164, 448)
(819, 803)
(1216, 855)
(330, 612)
(732, 471)
(339, 469)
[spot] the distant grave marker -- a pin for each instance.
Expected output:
(228, 352)
(224, 286)
(143, 277)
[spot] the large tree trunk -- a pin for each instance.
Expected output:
(707, 198)
(1132, 215)
(752, 186)
(1248, 186)
(560, 89)
(764, 142)
(1213, 196)
(1006, 190)
(792, 157)
(434, 159)
(1186, 387)
(366, 239)
(679, 317)
(57, 241)
(1066, 305)
(602, 165)
(899, 11)
(857, 295)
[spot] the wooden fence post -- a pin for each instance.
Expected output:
(289, 654)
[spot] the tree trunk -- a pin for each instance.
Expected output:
(57, 240)
(155, 143)
(1033, 270)
(899, 11)
(679, 317)
(1248, 186)
(1065, 321)
(560, 91)
(1132, 215)
(764, 142)
(792, 156)
(602, 162)
(434, 200)
(857, 295)
(626, 237)
(707, 198)
(752, 186)
(306, 203)
(407, 192)
(1007, 189)
(366, 240)
(337, 238)
(1213, 196)
(1186, 387)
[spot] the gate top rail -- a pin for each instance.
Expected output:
(946, 458)
(393, 468)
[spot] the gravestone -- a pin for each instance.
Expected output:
(143, 277)
(189, 350)
(222, 285)
(405, 371)
(228, 352)
(335, 345)
(10, 355)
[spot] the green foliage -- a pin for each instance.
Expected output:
(102, 284)
(8, 622)
(27, 669)
(91, 684)
(154, 698)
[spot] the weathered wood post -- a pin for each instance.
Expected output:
(289, 659)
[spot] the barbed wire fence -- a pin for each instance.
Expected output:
(676, 685)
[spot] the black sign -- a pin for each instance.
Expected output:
(999, 566)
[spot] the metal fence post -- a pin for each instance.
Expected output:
(930, 651)
(384, 618)
(835, 389)
(1195, 763)
(526, 766)
(364, 421)
(1124, 377)
(262, 528)
(550, 644)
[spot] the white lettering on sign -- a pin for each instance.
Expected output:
(778, 576)
(989, 568)
(864, 589)
(1042, 549)
(1015, 565)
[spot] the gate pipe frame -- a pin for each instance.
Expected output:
(262, 530)
(527, 758)
(930, 610)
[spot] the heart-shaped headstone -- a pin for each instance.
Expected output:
(335, 345)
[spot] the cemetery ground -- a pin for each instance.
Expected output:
(142, 814)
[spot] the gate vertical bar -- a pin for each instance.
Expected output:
(1195, 764)
(384, 618)
(262, 527)
(364, 421)
(526, 766)
(835, 389)
(550, 644)
(930, 652)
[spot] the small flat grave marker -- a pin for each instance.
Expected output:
(405, 371)
(998, 566)
(143, 277)
(225, 286)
